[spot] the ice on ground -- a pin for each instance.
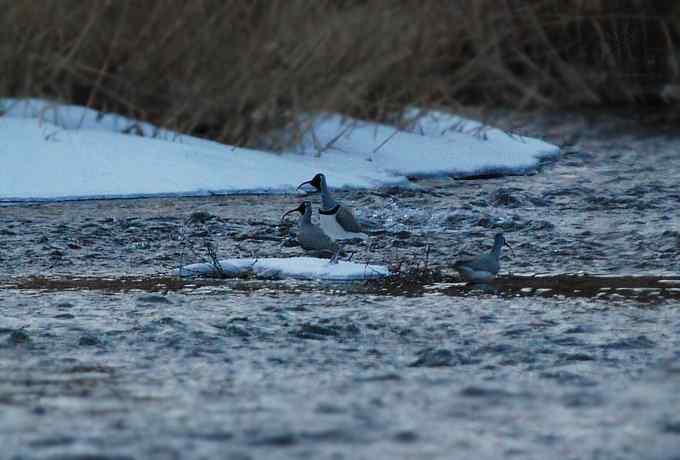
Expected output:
(292, 267)
(75, 117)
(42, 161)
(50, 151)
(437, 144)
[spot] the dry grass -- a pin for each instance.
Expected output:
(231, 70)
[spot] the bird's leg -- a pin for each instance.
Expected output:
(348, 259)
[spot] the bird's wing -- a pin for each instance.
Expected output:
(486, 263)
(312, 237)
(347, 221)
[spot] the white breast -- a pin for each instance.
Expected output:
(332, 228)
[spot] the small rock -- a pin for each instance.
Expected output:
(578, 357)
(169, 321)
(200, 234)
(384, 377)
(539, 202)
(671, 425)
(568, 378)
(583, 399)
(435, 357)
(351, 329)
(153, 298)
(580, 329)
(89, 341)
(216, 436)
(316, 330)
(64, 316)
(631, 343)
(403, 235)
(237, 455)
(329, 408)
(53, 441)
(505, 197)
(484, 392)
(239, 319)
(406, 436)
(18, 338)
(237, 331)
(542, 225)
(282, 439)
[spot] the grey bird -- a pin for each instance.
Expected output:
(484, 268)
(336, 220)
(310, 236)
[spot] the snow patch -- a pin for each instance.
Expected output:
(437, 144)
(292, 267)
(50, 151)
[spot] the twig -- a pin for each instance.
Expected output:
(212, 253)
(479, 132)
(182, 240)
(427, 256)
(330, 143)
(458, 127)
(375, 150)
(52, 136)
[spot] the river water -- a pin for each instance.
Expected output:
(104, 354)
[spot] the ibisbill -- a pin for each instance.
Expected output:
(311, 237)
(484, 268)
(336, 220)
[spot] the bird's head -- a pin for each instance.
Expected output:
(316, 182)
(301, 209)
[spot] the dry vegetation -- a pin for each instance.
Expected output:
(231, 69)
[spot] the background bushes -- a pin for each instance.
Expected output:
(232, 70)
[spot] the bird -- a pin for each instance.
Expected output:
(484, 268)
(310, 236)
(336, 220)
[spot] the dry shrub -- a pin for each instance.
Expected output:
(232, 70)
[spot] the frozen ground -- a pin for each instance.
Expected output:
(310, 268)
(69, 152)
